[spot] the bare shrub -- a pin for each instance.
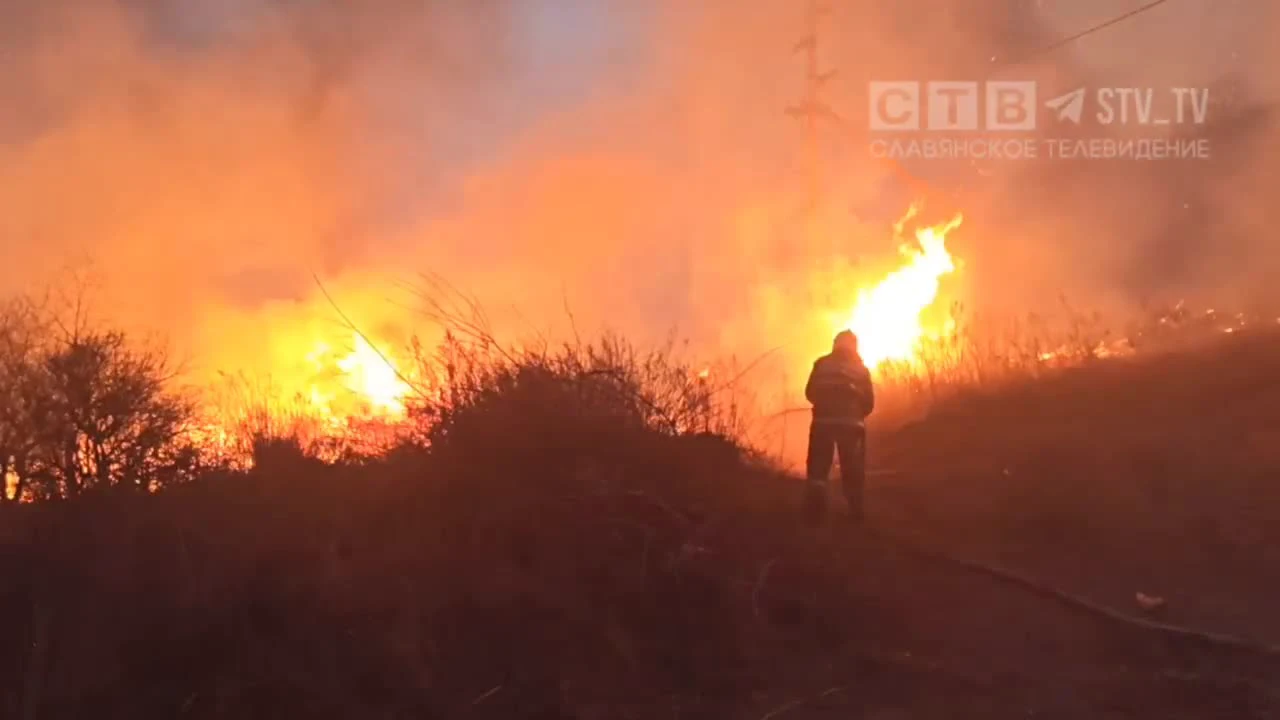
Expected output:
(23, 404)
(476, 393)
(86, 410)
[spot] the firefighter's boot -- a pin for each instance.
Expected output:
(815, 503)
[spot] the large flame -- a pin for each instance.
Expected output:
(374, 377)
(364, 382)
(888, 318)
(319, 387)
(344, 381)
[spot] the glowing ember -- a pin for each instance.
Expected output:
(887, 317)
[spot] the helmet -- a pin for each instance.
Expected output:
(845, 342)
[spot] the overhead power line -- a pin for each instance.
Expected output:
(812, 109)
(1061, 42)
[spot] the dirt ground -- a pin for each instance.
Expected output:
(961, 644)
(1155, 476)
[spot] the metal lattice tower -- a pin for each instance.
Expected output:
(812, 109)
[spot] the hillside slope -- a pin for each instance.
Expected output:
(634, 575)
(1157, 474)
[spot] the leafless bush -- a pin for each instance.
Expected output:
(474, 390)
(23, 405)
(85, 410)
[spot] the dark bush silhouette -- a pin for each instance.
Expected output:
(571, 532)
(479, 396)
(24, 402)
(547, 534)
(583, 398)
(569, 536)
(84, 411)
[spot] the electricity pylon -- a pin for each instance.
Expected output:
(812, 109)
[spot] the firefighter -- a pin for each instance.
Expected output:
(841, 392)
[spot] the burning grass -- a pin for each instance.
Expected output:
(574, 530)
(570, 527)
(366, 397)
(984, 355)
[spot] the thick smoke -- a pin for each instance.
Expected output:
(629, 159)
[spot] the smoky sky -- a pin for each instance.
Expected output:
(631, 158)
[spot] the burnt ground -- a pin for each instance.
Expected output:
(649, 577)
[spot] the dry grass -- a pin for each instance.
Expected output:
(539, 539)
(1151, 472)
(988, 355)
(607, 552)
(245, 416)
(574, 529)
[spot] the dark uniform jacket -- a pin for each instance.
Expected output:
(840, 390)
